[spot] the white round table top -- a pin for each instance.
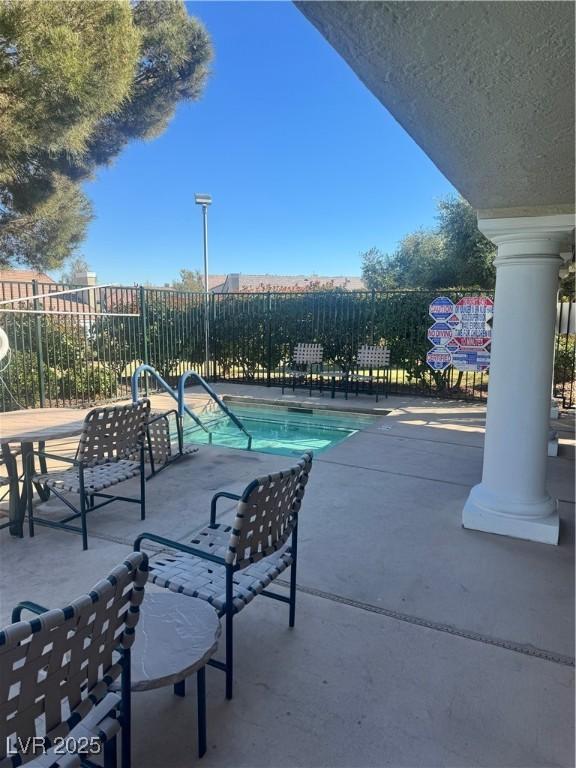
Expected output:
(175, 637)
(34, 425)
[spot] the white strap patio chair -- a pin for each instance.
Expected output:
(229, 565)
(306, 359)
(110, 439)
(375, 360)
(56, 673)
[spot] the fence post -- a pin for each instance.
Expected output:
(39, 353)
(372, 309)
(144, 332)
(212, 334)
(269, 340)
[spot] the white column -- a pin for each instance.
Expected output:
(512, 498)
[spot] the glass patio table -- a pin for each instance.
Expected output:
(29, 427)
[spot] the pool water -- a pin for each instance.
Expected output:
(281, 430)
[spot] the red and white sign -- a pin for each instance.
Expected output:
(476, 305)
(472, 331)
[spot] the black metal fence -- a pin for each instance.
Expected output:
(82, 347)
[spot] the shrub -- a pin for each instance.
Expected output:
(87, 383)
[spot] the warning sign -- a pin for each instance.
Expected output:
(439, 360)
(439, 334)
(471, 361)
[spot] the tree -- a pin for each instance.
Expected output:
(78, 81)
(469, 256)
(75, 266)
(45, 235)
(453, 254)
(190, 280)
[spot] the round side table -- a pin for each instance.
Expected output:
(175, 637)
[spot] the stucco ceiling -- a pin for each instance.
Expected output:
(485, 88)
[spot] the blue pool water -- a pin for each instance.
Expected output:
(281, 430)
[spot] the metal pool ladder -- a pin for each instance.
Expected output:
(178, 395)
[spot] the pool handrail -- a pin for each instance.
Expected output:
(218, 400)
(182, 407)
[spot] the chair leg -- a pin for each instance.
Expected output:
(83, 512)
(201, 698)
(29, 500)
(110, 753)
(142, 486)
(126, 734)
(180, 688)
(294, 547)
(229, 632)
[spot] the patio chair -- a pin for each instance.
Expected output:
(304, 359)
(162, 448)
(111, 436)
(229, 565)
(377, 361)
(56, 673)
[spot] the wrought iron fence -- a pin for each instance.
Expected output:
(254, 333)
(82, 347)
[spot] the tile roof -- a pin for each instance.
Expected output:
(17, 283)
(267, 282)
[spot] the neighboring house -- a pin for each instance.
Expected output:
(236, 282)
(17, 283)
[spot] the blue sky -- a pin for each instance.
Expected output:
(306, 168)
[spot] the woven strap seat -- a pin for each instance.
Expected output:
(95, 478)
(365, 376)
(195, 577)
(101, 723)
(308, 354)
(373, 357)
(56, 670)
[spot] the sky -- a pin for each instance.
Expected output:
(306, 168)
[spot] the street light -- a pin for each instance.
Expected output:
(205, 200)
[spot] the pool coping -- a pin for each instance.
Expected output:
(305, 404)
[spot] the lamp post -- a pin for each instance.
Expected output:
(205, 200)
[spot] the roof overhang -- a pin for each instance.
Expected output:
(485, 88)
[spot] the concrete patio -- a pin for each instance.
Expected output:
(417, 643)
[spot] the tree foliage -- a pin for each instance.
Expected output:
(78, 81)
(190, 280)
(454, 253)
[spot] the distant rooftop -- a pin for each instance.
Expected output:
(236, 282)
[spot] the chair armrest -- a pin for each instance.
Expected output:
(163, 415)
(55, 456)
(220, 495)
(179, 546)
(26, 605)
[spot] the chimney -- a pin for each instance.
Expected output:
(84, 278)
(234, 282)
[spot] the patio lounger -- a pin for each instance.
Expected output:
(229, 565)
(110, 439)
(57, 670)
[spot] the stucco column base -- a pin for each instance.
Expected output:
(533, 521)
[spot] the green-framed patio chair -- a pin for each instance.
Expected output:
(229, 565)
(56, 673)
(111, 437)
(165, 441)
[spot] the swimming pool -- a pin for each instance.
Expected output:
(286, 431)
